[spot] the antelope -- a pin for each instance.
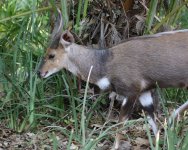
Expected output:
(130, 69)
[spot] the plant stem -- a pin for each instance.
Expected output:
(25, 13)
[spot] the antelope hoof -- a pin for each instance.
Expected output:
(117, 141)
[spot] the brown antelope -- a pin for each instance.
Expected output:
(130, 69)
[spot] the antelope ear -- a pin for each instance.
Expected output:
(66, 39)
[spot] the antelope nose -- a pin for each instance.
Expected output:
(39, 73)
(42, 74)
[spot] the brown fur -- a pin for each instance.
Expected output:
(131, 67)
(161, 59)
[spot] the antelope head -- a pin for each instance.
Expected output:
(55, 58)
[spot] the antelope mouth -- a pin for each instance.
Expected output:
(48, 73)
(43, 75)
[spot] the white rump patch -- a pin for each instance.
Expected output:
(146, 99)
(103, 83)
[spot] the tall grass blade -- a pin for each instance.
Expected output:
(78, 16)
(83, 110)
(64, 7)
(151, 14)
(70, 139)
(85, 8)
(25, 13)
(73, 106)
(185, 142)
(168, 16)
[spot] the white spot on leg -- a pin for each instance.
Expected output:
(153, 125)
(124, 101)
(117, 141)
(120, 98)
(112, 95)
(146, 99)
(103, 83)
(143, 84)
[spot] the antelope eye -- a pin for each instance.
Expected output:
(51, 56)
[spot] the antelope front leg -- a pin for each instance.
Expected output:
(125, 111)
(112, 97)
(147, 102)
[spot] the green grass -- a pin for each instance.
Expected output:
(32, 103)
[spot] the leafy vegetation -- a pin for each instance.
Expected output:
(56, 107)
